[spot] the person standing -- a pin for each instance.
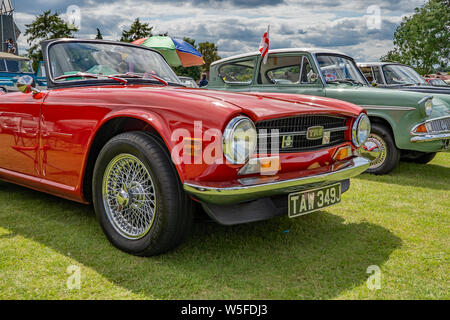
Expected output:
(203, 82)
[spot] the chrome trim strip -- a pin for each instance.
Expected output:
(424, 99)
(392, 108)
(300, 133)
(321, 76)
(241, 193)
(431, 137)
(439, 118)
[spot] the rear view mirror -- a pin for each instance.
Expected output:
(26, 84)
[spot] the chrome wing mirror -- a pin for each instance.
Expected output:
(27, 85)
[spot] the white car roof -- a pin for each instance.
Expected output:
(309, 50)
(10, 56)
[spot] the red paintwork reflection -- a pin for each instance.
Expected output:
(45, 139)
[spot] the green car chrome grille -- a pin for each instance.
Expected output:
(439, 125)
(293, 133)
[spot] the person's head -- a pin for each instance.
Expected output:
(203, 76)
(10, 40)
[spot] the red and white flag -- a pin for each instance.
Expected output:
(264, 46)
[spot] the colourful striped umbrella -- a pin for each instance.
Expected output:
(177, 52)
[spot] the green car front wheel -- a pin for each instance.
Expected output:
(389, 155)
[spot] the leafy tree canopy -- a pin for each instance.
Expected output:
(423, 39)
(209, 52)
(138, 30)
(46, 26)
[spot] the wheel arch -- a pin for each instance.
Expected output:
(112, 126)
(382, 121)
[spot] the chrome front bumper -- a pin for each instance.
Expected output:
(437, 129)
(431, 137)
(243, 190)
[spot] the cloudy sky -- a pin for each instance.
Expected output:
(236, 26)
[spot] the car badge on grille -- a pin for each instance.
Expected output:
(314, 133)
(287, 142)
(326, 137)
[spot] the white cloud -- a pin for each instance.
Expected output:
(237, 28)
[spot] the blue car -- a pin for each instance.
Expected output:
(12, 67)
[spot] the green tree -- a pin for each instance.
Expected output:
(192, 72)
(99, 35)
(209, 52)
(423, 39)
(46, 26)
(137, 31)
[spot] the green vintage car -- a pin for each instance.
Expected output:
(411, 126)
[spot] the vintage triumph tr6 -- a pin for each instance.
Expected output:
(116, 128)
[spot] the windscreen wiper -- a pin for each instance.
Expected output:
(145, 76)
(354, 81)
(92, 76)
(349, 81)
(339, 81)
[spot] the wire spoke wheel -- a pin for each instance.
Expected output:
(129, 196)
(380, 144)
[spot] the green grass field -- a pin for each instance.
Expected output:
(398, 222)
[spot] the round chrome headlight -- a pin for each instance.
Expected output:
(429, 107)
(239, 140)
(426, 105)
(361, 130)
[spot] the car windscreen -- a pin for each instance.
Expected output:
(438, 82)
(401, 75)
(338, 68)
(105, 59)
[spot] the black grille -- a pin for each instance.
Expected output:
(295, 128)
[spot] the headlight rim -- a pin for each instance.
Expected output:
(229, 131)
(423, 104)
(355, 129)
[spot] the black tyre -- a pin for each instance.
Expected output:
(424, 158)
(389, 156)
(138, 198)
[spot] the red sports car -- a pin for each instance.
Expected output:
(116, 128)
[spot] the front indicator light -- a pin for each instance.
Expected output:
(192, 147)
(343, 153)
(265, 166)
(421, 129)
